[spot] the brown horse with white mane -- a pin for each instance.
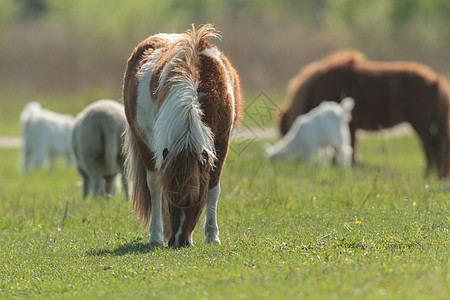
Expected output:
(182, 99)
(385, 93)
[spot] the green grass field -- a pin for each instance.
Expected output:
(377, 231)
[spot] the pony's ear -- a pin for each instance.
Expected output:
(165, 152)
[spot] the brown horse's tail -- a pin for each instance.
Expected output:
(137, 175)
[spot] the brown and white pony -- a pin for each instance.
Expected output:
(385, 94)
(182, 98)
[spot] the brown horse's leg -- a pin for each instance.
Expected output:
(442, 149)
(427, 144)
(433, 130)
(444, 160)
(436, 144)
(354, 144)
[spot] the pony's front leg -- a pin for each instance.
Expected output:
(211, 228)
(156, 224)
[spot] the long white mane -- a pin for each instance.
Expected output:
(179, 125)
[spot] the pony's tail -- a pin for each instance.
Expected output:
(347, 105)
(137, 175)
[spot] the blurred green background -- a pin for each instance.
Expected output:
(79, 48)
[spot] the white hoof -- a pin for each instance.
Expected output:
(212, 239)
(156, 243)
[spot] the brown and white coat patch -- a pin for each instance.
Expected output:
(182, 98)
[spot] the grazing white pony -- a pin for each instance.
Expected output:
(324, 127)
(45, 134)
(97, 144)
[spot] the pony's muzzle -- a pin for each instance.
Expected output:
(173, 243)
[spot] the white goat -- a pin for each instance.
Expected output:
(97, 144)
(45, 134)
(324, 127)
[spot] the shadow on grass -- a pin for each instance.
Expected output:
(128, 248)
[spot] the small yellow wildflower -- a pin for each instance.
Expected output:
(358, 222)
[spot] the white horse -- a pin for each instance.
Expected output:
(97, 144)
(45, 134)
(324, 127)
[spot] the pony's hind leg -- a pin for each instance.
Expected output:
(211, 227)
(85, 182)
(27, 158)
(441, 147)
(95, 181)
(347, 153)
(51, 160)
(110, 185)
(427, 144)
(356, 155)
(125, 186)
(124, 179)
(344, 154)
(39, 156)
(308, 156)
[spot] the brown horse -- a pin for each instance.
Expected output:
(385, 93)
(182, 98)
